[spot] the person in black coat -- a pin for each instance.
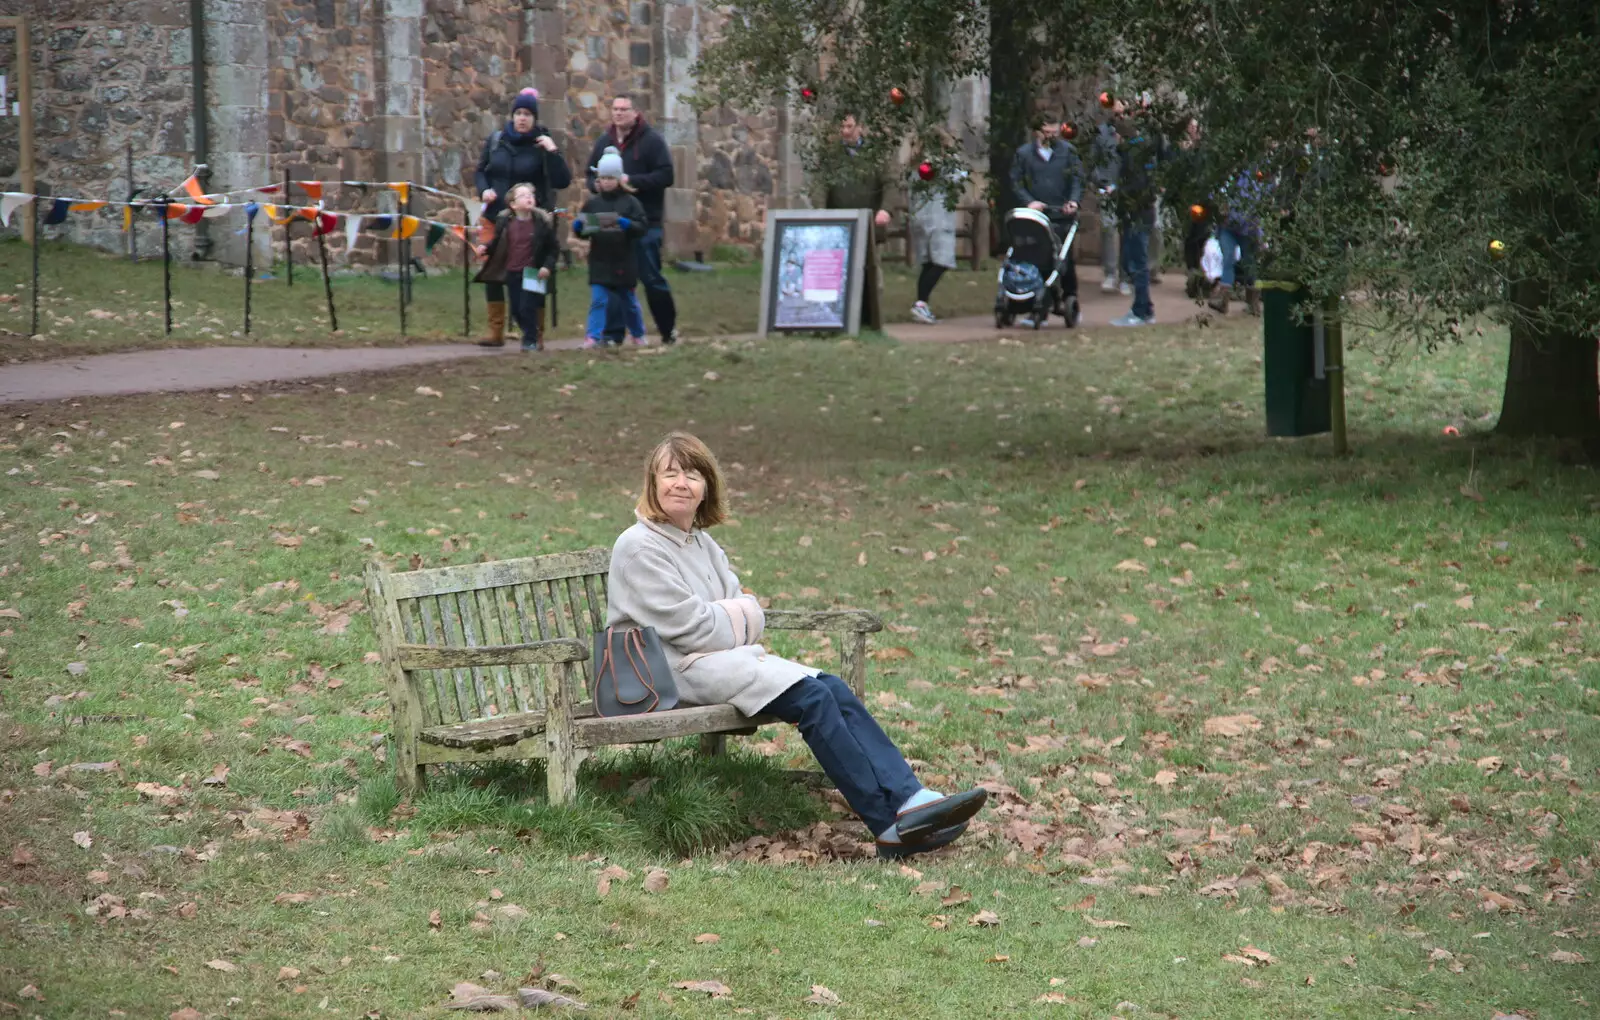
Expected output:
(615, 223)
(522, 152)
(647, 172)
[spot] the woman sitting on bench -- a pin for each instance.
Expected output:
(667, 573)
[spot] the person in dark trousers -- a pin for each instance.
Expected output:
(521, 258)
(647, 174)
(1047, 176)
(1103, 171)
(615, 223)
(1141, 152)
(856, 181)
(521, 152)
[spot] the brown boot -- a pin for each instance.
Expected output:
(497, 326)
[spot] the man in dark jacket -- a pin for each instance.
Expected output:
(856, 181)
(647, 169)
(1142, 152)
(1047, 175)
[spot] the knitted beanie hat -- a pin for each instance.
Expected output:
(610, 163)
(527, 99)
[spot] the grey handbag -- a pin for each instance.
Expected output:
(631, 675)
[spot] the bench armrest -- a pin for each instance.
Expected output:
(441, 657)
(851, 621)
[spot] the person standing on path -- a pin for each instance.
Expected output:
(522, 152)
(647, 173)
(1140, 152)
(521, 258)
(1047, 174)
(1104, 170)
(615, 222)
(933, 240)
(856, 181)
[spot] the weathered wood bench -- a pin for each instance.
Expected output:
(490, 662)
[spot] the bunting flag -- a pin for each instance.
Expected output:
(127, 218)
(10, 202)
(193, 214)
(275, 216)
(460, 232)
(192, 188)
(312, 188)
(325, 224)
(250, 210)
(307, 212)
(402, 188)
(408, 226)
(352, 224)
(270, 189)
(217, 211)
(57, 213)
(379, 224)
(474, 209)
(86, 206)
(435, 232)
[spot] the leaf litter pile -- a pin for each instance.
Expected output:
(1309, 712)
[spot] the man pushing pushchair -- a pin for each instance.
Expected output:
(1047, 177)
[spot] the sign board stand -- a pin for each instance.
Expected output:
(24, 74)
(813, 270)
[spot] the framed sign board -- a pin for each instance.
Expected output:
(812, 268)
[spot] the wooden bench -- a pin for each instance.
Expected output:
(490, 662)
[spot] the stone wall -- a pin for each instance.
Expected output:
(105, 76)
(378, 90)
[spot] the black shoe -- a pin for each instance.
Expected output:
(940, 838)
(919, 824)
(670, 337)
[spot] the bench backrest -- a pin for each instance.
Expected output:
(504, 602)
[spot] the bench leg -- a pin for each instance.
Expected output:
(411, 781)
(712, 744)
(561, 776)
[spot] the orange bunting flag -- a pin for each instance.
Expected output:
(175, 211)
(460, 232)
(403, 188)
(408, 226)
(127, 218)
(86, 206)
(312, 188)
(307, 213)
(192, 188)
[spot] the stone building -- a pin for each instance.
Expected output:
(372, 90)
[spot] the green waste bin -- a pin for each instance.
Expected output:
(1295, 360)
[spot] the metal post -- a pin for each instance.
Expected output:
(327, 281)
(1333, 340)
(249, 265)
(25, 165)
(33, 299)
(466, 271)
(166, 267)
(288, 241)
(399, 277)
(405, 249)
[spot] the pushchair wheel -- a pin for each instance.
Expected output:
(1001, 320)
(1071, 312)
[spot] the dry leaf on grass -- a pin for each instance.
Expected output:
(292, 899)
(435, 920)
(222, 965)
(186, 1013)
(288, 973)
(954, 896)
(1490, 765)
(478, 999)
(1250, 956)
(535, 998)
(1132, 567)
(1562, 956)
(1099, 922)
(83, 839)
(984, 919)
(822, 995)
(1165, 779)
(1053, 998)
(1231, 725)
(656, 880)
(715, 989)
(707, 938)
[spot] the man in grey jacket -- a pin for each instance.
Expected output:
(1047, 175)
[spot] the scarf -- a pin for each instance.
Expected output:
(512, 136)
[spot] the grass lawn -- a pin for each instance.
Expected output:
(1271, 734)
(91, 302)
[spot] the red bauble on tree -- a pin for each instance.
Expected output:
(1197, 212)
(897, 95)
(808, 94)
(1068, 131)
(1106, 100)
(925, 171)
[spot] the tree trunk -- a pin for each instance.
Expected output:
(1552, 381)
(1008, 100)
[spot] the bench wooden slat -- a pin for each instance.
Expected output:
(448, 657)
(600, 731)
(849, 621)
(486, 733)
(499, 573)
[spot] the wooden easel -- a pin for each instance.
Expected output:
(25, 102)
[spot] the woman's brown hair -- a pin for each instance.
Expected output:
(692, 455)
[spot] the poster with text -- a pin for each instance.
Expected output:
(813, 275)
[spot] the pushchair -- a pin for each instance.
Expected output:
(1038, 278)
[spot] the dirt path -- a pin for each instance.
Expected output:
(207, 368)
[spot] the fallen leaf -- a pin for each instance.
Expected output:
(427, 391)
(1088, 942)
(31, 992)
(222, 965)
(1099, 922)
(163, 795)
(292, 899)
(1231, 725)
(822, 995)
(435, 920)
(186, 1013)
(954, 896)
(1465, 601)
(288, 973)
(1146, 890)
(892, 654)
(207, 475)
(1563, 956)
(707, 938)
(927, 889)
(1132, 566)
(188, 910)
(478, 999)
(1490, 765)
(656, 880)
(83, 839)
(984, 919)
(218, 776)
(1165, 778)
(715, 989)
(511, 912)
(535, 998)
(1054, 998)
